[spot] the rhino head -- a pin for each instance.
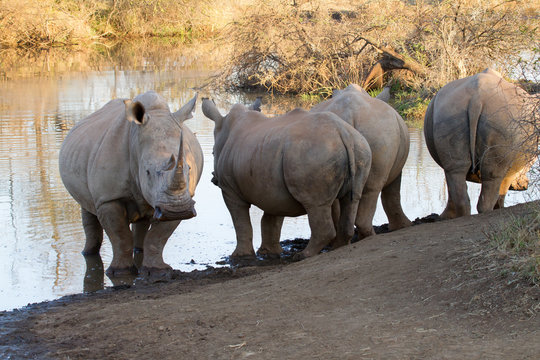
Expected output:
(158, 156)
(223, 124)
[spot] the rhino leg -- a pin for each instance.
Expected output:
(366, 211)
(500, 202)
(270, 233)
(391, 201)
(239, 211)
(322, 230)
(336, 212)
(154, 242)
(93, 232)
(489, 195)
(459, 203)
(345, 223)
(113, 218)
(139, 229)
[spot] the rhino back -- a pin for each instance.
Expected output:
(94, 157)
(274, 163)
(473, 119)
(381, 126)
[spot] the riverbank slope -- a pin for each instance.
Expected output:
(435, 290)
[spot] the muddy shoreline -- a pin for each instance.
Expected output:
(435, 290)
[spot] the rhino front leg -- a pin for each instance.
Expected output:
(113, 218)
(155, 241)
(239, 211)
(93, 232)
(270, 233)
(391, 201)
(459, 203)
(322, 230)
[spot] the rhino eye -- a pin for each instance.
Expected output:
(148, 172)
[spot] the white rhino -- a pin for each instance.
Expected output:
(132, 162)
(289, 165)
(388, 138)
(476, 130)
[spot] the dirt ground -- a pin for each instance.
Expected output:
(432, 291)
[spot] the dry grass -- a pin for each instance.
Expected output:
(42, 23)
(48, 23)
(314, 46)
(518, 241)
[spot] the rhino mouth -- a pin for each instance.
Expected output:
(163, 213)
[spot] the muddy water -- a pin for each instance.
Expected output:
(41, 234)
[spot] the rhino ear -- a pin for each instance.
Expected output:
(135, 112)
(384, 95)
(257, 104)
(211, 111)
(186, 111)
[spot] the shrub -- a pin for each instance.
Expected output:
(308, 47)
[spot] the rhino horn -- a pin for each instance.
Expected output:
(186, 111)
(178, 180)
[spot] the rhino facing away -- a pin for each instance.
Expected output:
(289, 165)
(476, 130)
(132, 162)
(388, 138)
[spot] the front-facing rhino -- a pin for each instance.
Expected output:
(289, 165)
(478, 129)
(132, 162)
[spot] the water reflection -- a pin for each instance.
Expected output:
(42, 234)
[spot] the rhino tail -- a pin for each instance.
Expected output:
(348, 141)
(473, 114)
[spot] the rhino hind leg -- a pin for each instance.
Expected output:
(489, 196)
(112, 216)
(366, 212)
(139, 229)
(322, 230)
(391, 201)
(93, 232)
(345, 223)
(270, 233)
(459, 203)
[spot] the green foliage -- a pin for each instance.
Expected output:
(411, 104)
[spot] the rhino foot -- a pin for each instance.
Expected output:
(268, 254)
(120, 272)
(91, 251)
(241, 261)
(154, 273)
(299, 256)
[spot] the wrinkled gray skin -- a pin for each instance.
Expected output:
(388, 138)
(289, 165)
(133, 162)
(475, 130)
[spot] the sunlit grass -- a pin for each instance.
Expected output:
(518, 240)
